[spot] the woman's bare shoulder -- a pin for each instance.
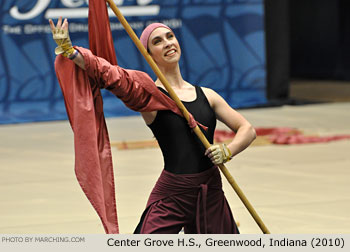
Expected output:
(212, 96)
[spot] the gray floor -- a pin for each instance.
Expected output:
(294, 188)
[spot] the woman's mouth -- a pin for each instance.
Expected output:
(170, 52)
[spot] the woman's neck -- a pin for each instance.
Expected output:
(173, 76)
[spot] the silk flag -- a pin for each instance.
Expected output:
(84, 105)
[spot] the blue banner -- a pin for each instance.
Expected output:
(222, 43)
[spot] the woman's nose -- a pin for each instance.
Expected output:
(167, 43)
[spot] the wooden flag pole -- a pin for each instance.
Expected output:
(185, 113)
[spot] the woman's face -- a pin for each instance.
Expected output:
(164, 47)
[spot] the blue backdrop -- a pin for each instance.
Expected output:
(222, 42)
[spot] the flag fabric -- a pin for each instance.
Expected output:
(93, 159)
(100, 36)
(84, 105)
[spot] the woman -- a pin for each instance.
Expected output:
(189, 189)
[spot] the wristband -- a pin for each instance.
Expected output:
(73, 55)
(228, 154)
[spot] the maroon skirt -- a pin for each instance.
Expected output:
(194, 202)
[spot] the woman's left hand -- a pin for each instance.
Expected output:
(218, 153)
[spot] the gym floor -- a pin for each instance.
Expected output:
(303, 188)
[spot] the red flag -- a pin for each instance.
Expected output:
(93, 160)
(101, 44)
(84, 105)
(100, 36)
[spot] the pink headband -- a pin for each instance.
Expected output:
(147, 32)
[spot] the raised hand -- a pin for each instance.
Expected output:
(61, 36)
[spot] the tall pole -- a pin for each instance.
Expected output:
(185, 113)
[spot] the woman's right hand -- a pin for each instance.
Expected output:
(61, 36)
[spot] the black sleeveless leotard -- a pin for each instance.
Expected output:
(183, 152)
